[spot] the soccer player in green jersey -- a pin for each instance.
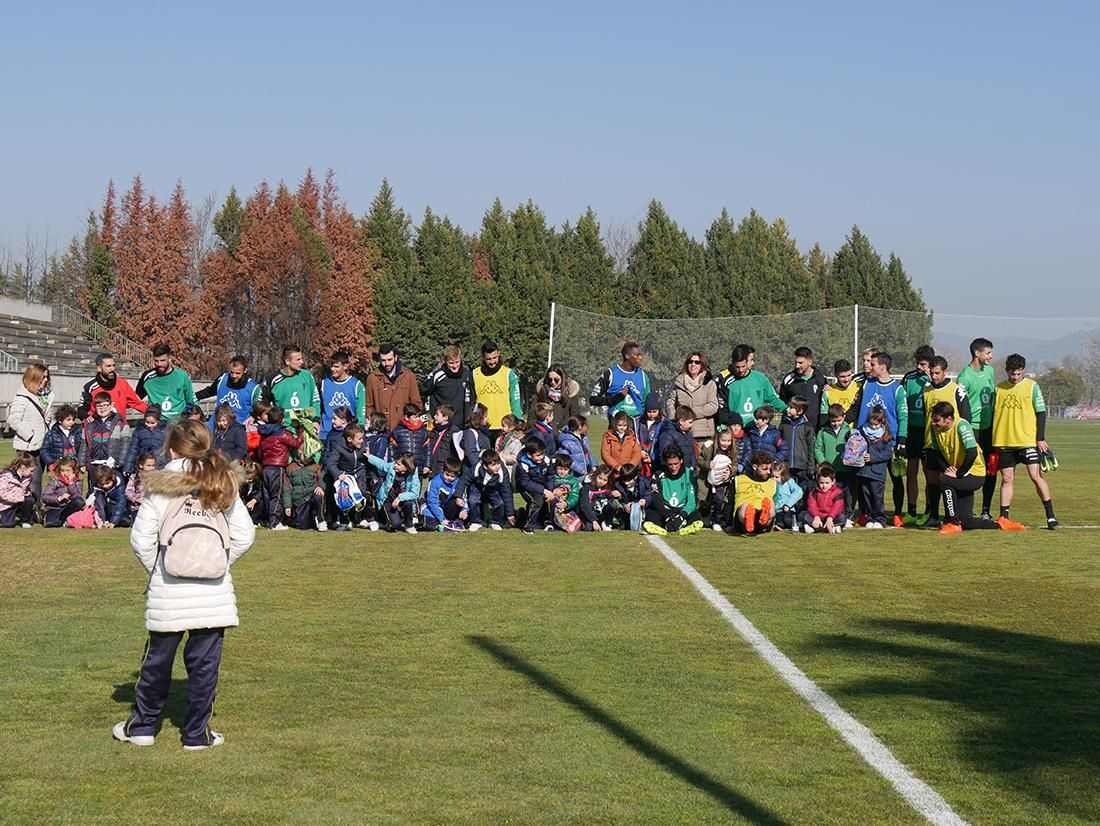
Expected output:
(914, 383)
(294, 388)
(166, 385)
(978, 379)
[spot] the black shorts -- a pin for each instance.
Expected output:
(1012, 456)
(914, 443)
(933, 460)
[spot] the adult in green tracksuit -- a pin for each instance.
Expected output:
(980, 383)
(165, 385)
(914, 384)
(293, 388)
(744, 390)
(675, 505)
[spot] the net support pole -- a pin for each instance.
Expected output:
(855, 337)
(550, 350)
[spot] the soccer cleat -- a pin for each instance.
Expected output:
(1008, 525)
(342, 526)
(750, 519)
(688, 530)
(26, 525)
(922, 520)
(837, 529)
(528, 530)
(118, 731)
(654, 528)
(848, 524)
(899, 521)
(1052, 524)
(216, 739)
(951, 528)
(372, 525)
(908, 521)
(766, 511)
(985, 516)
(549, 529)
(452, 527)
(410, 530)
(808, 528)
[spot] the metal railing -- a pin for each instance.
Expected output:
(123, 348)
(8, 363)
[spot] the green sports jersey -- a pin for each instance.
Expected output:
(914, 383)
(743, 396)
(171, 392)
(678, 492)
(979, 386)
(295, 392)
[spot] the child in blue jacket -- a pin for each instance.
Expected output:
(109, 498)
(398, 491)
(444, 507)
(573, 442)
(764, 437)
(148, 437)
(64, 437)
(534, 472)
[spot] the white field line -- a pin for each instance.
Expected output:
(922, 797)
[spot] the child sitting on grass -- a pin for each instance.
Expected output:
(489, 488)
(825, 504)
(534, 471)
(754, 495)
(565, 493)
(788, 495)
(135, 487)
(64, 494)
(109, 498)
(675, 508)
(16, 498)
(636, 495)
(444, 508)
(304, 496)
(600, 505)
(398, 491)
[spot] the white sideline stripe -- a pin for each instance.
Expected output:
(922, 797)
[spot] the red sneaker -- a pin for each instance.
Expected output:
(765, 512)
(862, 521)
(897, 521)
(750, 519)
(951, 527)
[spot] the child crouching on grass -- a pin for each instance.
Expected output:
(16, 499)
(109, 498)
(788, 495)
(600, 503)
(825, 504)
(675, 507)
(64, 494)
(489, 490)
(565, 493)
(444, 508)
(304, 496)
(754, 496)
(398, 491)
(635, 494)
(145, 464)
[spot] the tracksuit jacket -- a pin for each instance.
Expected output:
(534, 478)
(482, 486)
(798, 436)
(442, 386)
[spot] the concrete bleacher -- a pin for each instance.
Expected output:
(66, 351)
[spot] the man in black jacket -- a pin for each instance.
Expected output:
(453, 384)
(807, 381)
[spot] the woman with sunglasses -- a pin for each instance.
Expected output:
(696, 388)
(564, 393)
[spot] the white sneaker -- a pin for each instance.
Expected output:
(118, 731)
(496, 527)
(373, 525)
(322, 525)
(716, 527)
(874, 525)
(849, 524)
(808, 528)
(796, 529)
(216, 739)
(476, 526)
(837, 529)
(26, 525)
(410, 530)
(280, 527)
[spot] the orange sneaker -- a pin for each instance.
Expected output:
(951, 527)
(765, 515)
(750, 519)
(1008, 525)
(897, 521)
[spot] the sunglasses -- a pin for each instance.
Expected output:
(694, 361)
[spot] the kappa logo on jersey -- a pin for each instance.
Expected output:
(876, 401)
(232, 399)
(1010, 401)
(753, 489)
(492, 389)
(339, 400)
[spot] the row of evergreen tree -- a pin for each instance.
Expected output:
(299, 266)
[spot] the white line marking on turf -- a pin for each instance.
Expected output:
(916, 792)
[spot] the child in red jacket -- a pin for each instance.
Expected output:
(825, 504)
(275, 445)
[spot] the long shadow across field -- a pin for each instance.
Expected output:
(733, 800)
(1038, 700)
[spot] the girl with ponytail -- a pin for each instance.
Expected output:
(203, 608)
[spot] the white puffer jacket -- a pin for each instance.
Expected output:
(182, 604)
(29, 420)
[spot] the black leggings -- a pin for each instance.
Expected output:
(958, 501)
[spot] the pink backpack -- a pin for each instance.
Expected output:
(86, 517)
(193, 540)
(854, 450)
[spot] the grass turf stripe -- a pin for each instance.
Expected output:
(922, 797)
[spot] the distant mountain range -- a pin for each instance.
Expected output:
(1039, 352)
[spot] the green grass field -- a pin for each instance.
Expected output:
(503, 678)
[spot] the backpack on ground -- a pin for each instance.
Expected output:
(194, 540)
(348, 495)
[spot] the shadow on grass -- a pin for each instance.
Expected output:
(175, 709)
(734, 801)
(1037, 700)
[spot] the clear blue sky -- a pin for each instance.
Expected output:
(963, 136)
